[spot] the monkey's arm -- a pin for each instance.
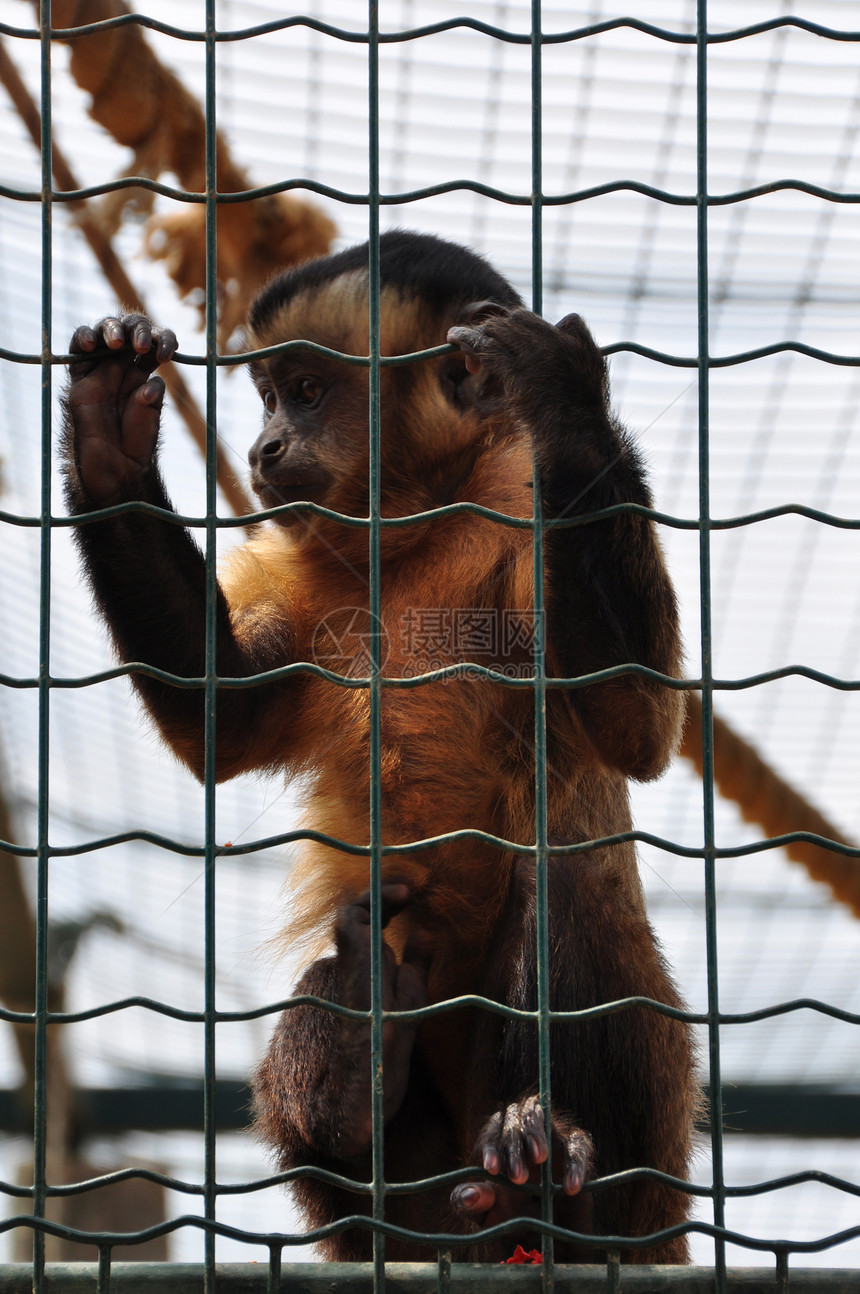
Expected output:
(609, 598)
(147, 574)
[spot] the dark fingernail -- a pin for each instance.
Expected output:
(491, 1161)
(114, 332)
(468, 1195)
(152, 391)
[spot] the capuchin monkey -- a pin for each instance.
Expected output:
(469, 426)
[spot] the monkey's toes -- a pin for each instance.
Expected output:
(514, 1141)
(472, 1199)
(576, 1159)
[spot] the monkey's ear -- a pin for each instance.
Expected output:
(476, 311)
(455, 378)
(589, 358)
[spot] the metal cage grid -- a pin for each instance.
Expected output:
(442, 1275)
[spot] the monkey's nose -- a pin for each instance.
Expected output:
(266, 450)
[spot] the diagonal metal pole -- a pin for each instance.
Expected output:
(102, 248)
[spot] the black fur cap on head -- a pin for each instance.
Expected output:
(423, 266)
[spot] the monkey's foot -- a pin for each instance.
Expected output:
(513, 1144)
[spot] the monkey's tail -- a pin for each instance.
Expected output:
(762, 796)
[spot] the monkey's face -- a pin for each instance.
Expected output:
(314, 433)
(313, 446)
(314, 442)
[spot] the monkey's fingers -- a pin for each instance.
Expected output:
(418, 952)
(150, 346)
(150, 396)
(472, 342)
(497, 340)
(115, 438)
(85, 340)
(410, 978)
(468, 336)
(394, 896)
(352, 939)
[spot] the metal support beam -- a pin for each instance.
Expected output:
(751, 1109)
(412, 1278)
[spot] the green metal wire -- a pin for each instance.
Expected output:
(40, 1115)
(504, 196)
(539, 666)
(103, 1281)
(466, 24)
(709, 834)
(209, 772)
(375, 607)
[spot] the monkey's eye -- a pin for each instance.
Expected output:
(270, 400)
(307, 391)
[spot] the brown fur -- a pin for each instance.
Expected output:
(455, 754)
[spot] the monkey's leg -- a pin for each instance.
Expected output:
(624, 1090)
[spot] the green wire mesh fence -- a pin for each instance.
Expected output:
(439, 1273)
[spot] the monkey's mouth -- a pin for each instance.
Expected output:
(304, 487)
